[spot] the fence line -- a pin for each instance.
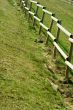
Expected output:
(67, 58)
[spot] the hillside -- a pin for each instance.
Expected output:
(24, 78)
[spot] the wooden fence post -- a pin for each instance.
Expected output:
(69, 59)
(50, 29)
(30, 10)
(42, 19)
(57, 38)
(21, 3)
(26, 3)
(35, 15)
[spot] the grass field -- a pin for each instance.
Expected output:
(24, 80)
(63, 11)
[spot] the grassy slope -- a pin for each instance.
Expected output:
(24, 81)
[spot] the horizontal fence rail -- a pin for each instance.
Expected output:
(67, 58)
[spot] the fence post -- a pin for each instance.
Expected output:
(69, 59)
(50, 29)
(35, 14)
(42, 19)
(57, 38)
(21, 3)
(26, 3)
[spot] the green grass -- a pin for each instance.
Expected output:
(24, 80)
(63, 12)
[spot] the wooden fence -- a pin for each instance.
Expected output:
(27, 6)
